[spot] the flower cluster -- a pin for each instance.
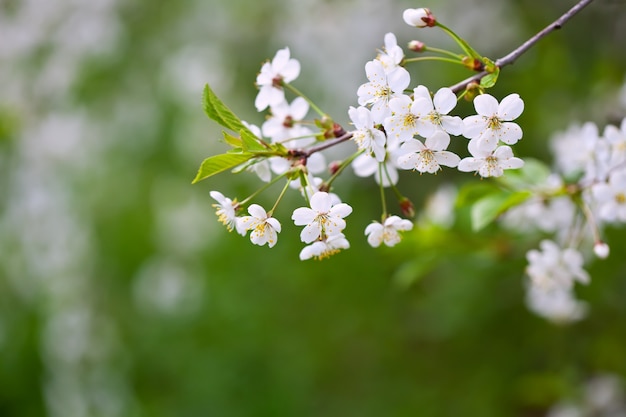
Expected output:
(395, 130)
(399, 126)
(588, 182)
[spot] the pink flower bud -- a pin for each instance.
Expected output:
(419, 17)
(417, 46)
(601, 250)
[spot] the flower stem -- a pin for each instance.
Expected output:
(280, 197)
(434, 58)
(383, 200)
(263, 188)
(462, 43)
(343, 166)
(311, 103)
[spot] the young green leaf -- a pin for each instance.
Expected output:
(219, 163)
(490, 80)
(488, 208)
(217, 110)
(251, 142)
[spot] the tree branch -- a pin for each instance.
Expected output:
(513, 55)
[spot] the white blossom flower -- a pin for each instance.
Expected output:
(430, 156)
(227, 212)
(322, 219)
(489, 163)
(610, 197)
(392, 55)
(264, 228)
(434, 111)
(387, 232)
(616, 140)
(405, 120)
(284, 121)
(324, 248)
(366, 136)
(381, 88)
(493, 123)
(420, 18)
(578, 151)
(555, 268)
(555, 304)
(281, 69)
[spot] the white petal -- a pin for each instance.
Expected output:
(375, 72)
(512, 163)
(299, 108)
(399, 79)
(470, 164)
(453, 125)
(303, 215)
(474, 126)
(447, 158)
(311, 232)
(320, 202)
(257, 211)
(274, 223)
(340, 210)
(510, 133)
(438, 141)
(444, 100)
(412, 145)
(486, 105)
(219, 197)
(510, 107)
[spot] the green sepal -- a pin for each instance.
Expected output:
(488, 208)
(219, 163)
(216, 110)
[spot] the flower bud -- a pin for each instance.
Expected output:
(473, 64)
(471, 91)
(407, 208)
(417, 46)
(419, 17)
(601, 250)
(334, 166)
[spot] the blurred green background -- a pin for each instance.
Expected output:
(121, 295)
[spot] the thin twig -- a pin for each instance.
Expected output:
(513, 55)
(327, 144)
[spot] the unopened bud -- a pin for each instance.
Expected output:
(334, 166)
(601, 250)
(419, 18)
(417, 46)
(338, 131)
(473, 63)
(407, 208)
(471, 91)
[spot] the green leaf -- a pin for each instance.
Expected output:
(251, 143)
(219, 163)
(217, 110)
(533, 173)
(232, 140)
(488, 208)
(490, 80)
